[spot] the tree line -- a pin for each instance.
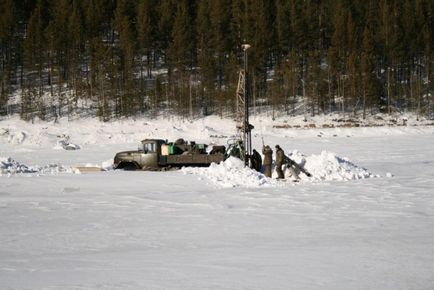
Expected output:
(128, 57)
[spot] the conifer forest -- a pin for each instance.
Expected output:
(121, 58)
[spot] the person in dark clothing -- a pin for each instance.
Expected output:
(280, 158)
(268, 160)
(256, 161)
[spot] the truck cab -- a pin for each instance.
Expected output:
(146, 157)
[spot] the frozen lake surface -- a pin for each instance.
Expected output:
(171, 230)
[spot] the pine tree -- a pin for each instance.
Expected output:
(352, 63)
(123, 25)
(181, 51)
(206, 60)
(75, 51)
(283, 28)
(34, 53)
(337, 52)
(367, 69)
(146, 31)
(166, 14)
(56, 33)
(7, 29)
(221, 42)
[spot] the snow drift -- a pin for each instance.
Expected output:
(326, 166)
(64, 143)
(8, 166)
(230, 173)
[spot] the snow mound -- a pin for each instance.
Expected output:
(107, 165)
(64, 143)
(326, 166)
(12, 137)
(230, 173)
(8, 166)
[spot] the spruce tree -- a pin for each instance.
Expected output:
(205, 56)
(7, 30)
(34, 52)
(125, 68)
(146, 31)
(181, 51)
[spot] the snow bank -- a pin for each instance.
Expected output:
(64, 143)
(8, 166)
(323, 167)
(230, 173)
(327, 166)
(12, 137)
(210, 129)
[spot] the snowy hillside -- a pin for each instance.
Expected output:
(362, 221)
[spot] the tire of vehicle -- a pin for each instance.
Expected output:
(128, 166)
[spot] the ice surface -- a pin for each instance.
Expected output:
(172, 230)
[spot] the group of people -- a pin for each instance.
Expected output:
(256, 161)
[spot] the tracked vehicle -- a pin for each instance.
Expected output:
(158, 154)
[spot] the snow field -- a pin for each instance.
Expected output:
(169, 230)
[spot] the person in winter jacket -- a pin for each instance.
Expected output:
(256, 161)
(268, 160)
(280, 158)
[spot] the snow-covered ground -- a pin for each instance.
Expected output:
(363, 221)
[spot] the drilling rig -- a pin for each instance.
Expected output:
(244, 128)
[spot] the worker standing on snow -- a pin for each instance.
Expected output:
(280, 158)
(268, 159)
(256, 161)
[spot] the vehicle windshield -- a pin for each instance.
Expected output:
(149, 148)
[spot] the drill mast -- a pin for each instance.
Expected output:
(243, 125)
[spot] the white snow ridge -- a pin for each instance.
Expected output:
(230, 173)
(8, 166)
(328, 166)
(323, 167)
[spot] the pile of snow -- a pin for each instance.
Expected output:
(328, 166)
(52, 169)
(323, 167)
(230, 173)
(107, 165)
(64, 143)
(12, 137)
(8, 166)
